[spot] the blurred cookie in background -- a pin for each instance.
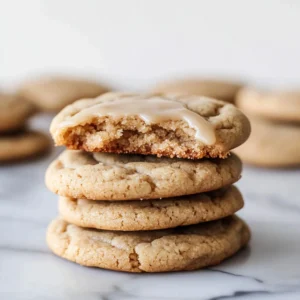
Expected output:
(23, 145)
(271, 144)
(51, 94)
(275, 127)
(218, 89)
(14, 112)
(274, 105)
(17, 142)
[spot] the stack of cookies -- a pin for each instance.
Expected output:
(16, 140)
(275, 120)
(146, 185)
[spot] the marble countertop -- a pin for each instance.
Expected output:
(268, 269)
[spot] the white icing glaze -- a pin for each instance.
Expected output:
(151, 110)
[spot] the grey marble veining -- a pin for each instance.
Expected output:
(268, 269)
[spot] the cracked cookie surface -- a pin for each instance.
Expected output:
(183, 248)
(151, 214)
(80, 126)
(105, 176)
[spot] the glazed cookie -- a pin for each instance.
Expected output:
(271, 145)
(222, 90)
(106, 176)
(151, 214)
(23, 145)
(163, 125)
(280, 105)
(14, 112)
(182, 248)
(54, 93)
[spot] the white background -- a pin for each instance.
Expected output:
(134, 43)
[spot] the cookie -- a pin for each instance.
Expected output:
(222, 90)
(173, 126)
(183, 248)
(23, 145)
(274, 105)
(106, 176)
(151, 214)
(54, 93)
(14, 112)
(271, 145)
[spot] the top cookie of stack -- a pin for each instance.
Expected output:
(164, 125)
(103, 190)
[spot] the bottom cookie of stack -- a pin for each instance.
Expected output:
(148, 235)
(182, 248)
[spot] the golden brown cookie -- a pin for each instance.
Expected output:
(274, 105)
(51, 94)
(14, 112)
(221, 90)
(22, 145)
(105, 176)
(163, 125)
(271, 145)
(151, 214)
(183, 248)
